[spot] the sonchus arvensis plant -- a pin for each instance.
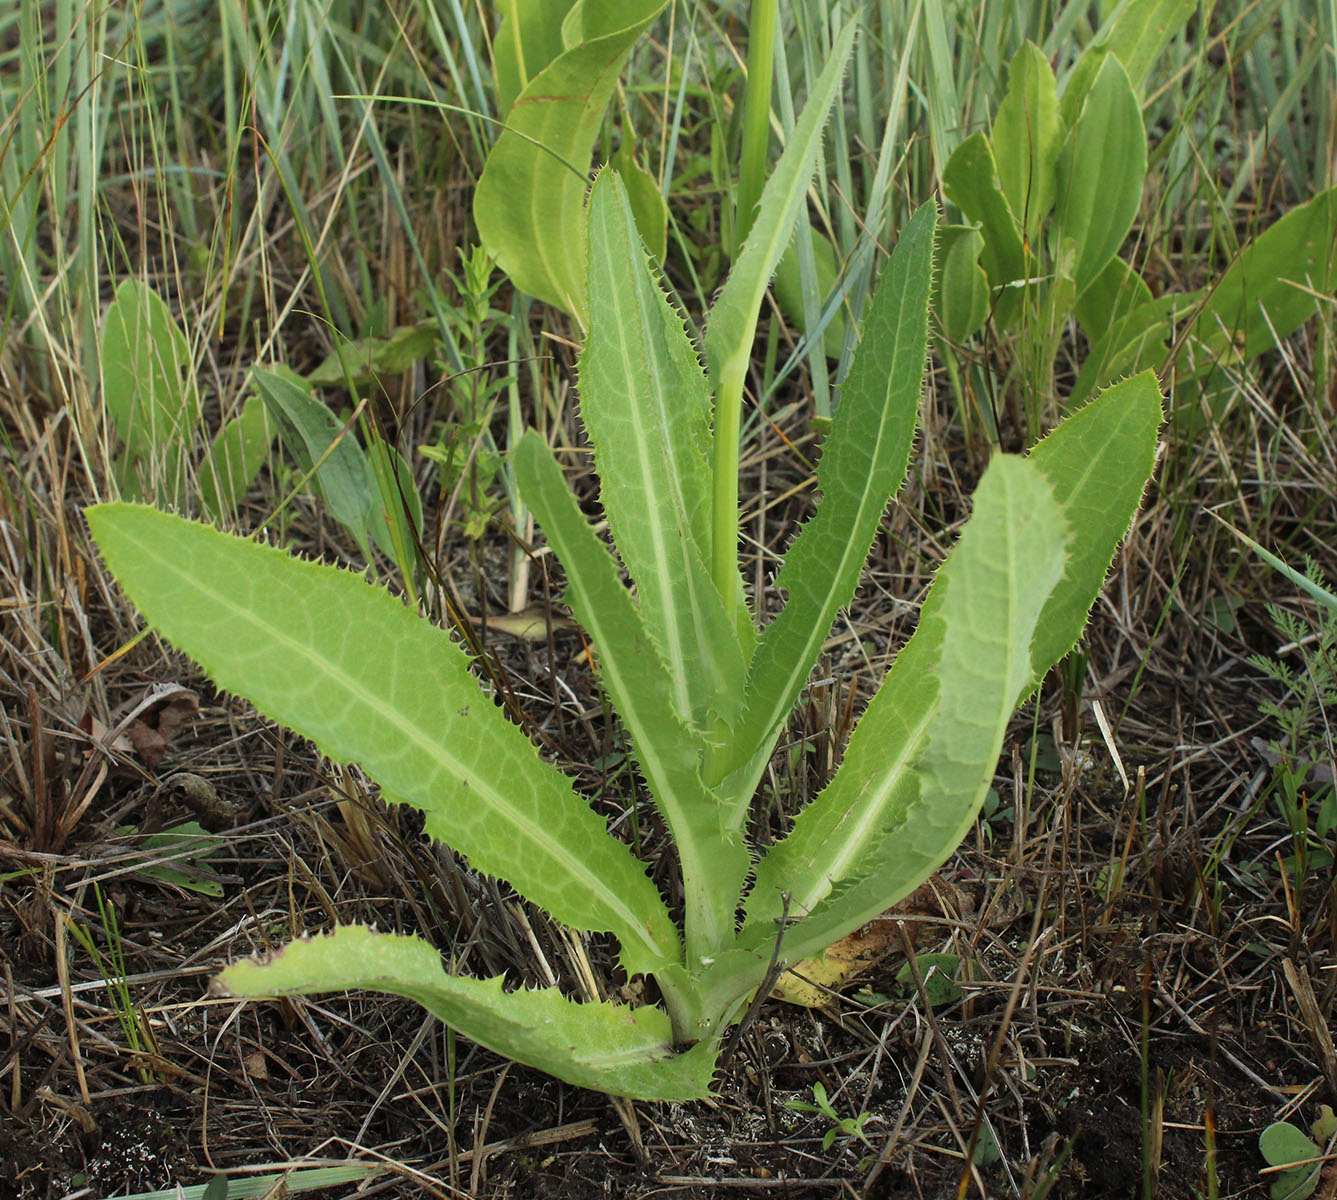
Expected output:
(702, 692)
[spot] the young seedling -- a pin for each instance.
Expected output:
(847, 1127)
(702, 692)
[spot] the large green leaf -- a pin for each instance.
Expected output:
(1101, 173)
(863, 463)
(235, 458)
(1098, 461)
(714, 863)
(349, 666)
(528, 39)
(147, 387)
(970, 181)
(921, 758)
(320, 442)
(859, 835)
(1136, 33)
(1027, 137)
(1270, 289)
(529, 203)
(608, 1047)
(645, 403)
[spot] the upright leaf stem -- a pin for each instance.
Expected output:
(756, 116)
(724, 517)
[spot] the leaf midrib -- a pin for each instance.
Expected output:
(420, 738)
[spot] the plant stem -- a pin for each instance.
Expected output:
(724, 517)
(756, 116)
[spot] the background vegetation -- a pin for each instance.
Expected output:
(1141, 931)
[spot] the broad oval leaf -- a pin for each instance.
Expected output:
(1270, 289)
(970, 181)
(147, 387)
(344, 663)
(1136, 33)
(528, 38)
(961, 287)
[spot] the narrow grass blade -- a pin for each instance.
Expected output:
(645, 403)
(352, 668)
(262, 1187)
(863, 463)
(607, 1047)
(1299, 578)
(714, 864)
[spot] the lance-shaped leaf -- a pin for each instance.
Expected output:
(921, 758)
(1027, 136)
(1136, 33)
(857, 848)
(344, 663)
(733, 319)
(608, 1047)
(644, 401)
(1098, 461)
(530, 200)
(863, 463)
(235, 458)
(1270, 289)
(714, 864)
(320, 442)
(528, 38)
(970, 181)
(732, 325)
(1101, 173)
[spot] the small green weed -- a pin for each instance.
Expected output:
(847, 1127)
(1299, 1156)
